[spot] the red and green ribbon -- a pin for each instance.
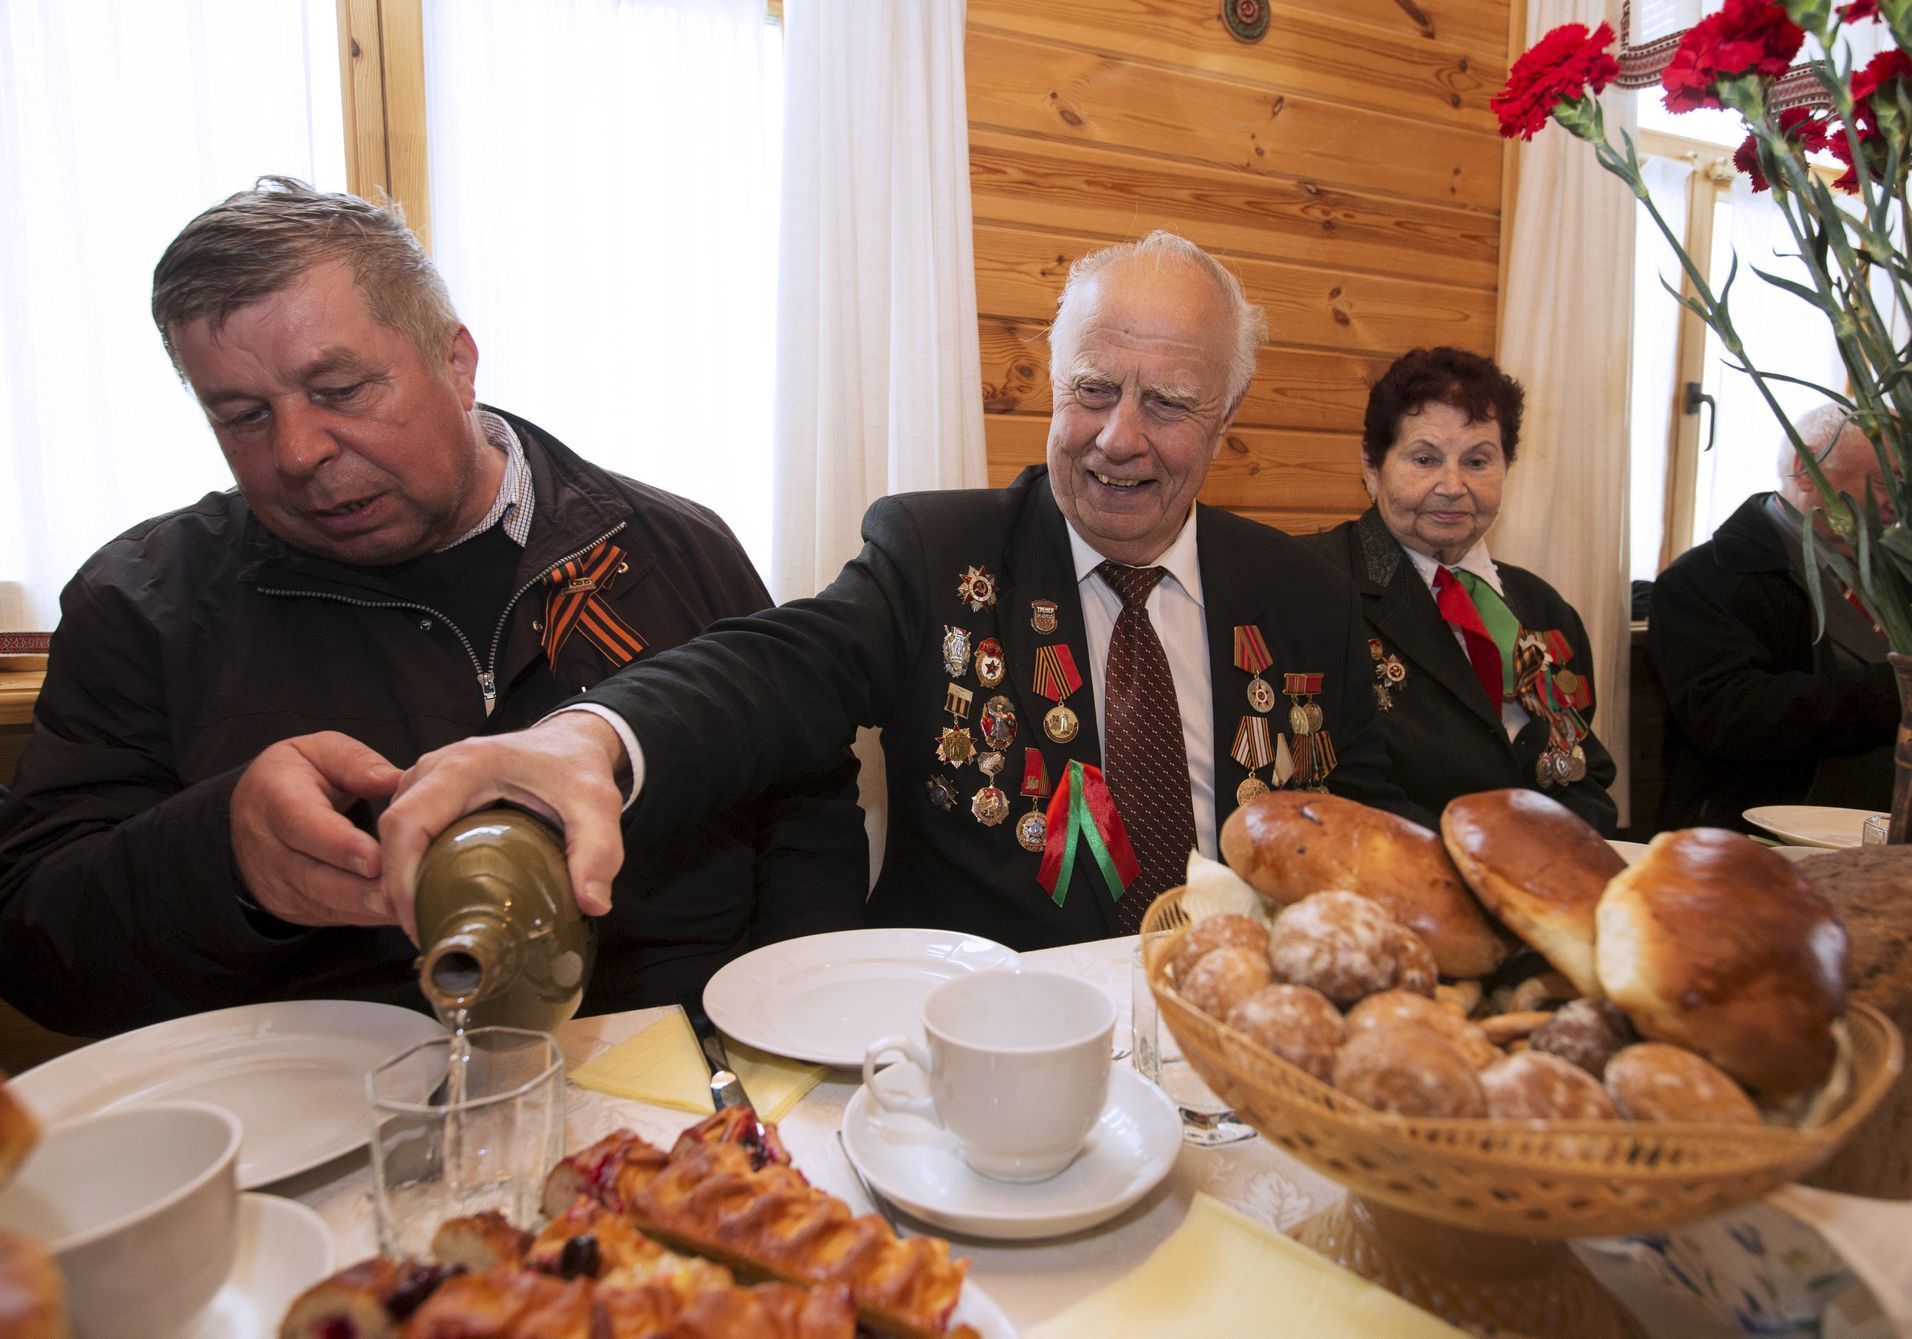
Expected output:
(1082, 813)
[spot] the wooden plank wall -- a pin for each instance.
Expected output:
(1346, 167)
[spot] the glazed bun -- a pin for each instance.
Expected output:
(1408, 1070)
(18, 1132)
(1715, 943)
(1213, 933)
(1538, 866)
(1346, 946)
(32, 1292)
(1536, 1086)
(1289, 845)
(1223, 977)
(1404, 1006)
(1654, 1081)
(1295, 1023)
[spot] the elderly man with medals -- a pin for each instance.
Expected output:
(1088, 638)
(1480, 669)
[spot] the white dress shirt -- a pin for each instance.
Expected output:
(1513, 716)
(1175, 608)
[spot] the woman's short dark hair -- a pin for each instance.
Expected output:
(1471, 383)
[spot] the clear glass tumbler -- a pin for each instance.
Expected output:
(460, 1125)
(1206, 1119)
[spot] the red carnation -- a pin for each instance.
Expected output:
(1745, 37)
(1859, 9)
(1798, 125)
(1561, 67)
(1882, 69)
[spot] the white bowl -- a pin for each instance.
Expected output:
(140, 1208)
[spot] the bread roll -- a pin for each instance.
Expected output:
(1295, 1023)
(32, 1293)
(1654, 1081)
(1289, 845)
(1587, 1033)
(1538, 866)
(1223, 977)
(1408, 1070)
(1536, 1086)
(1215, 932)
(18, 1132)
(1404, 1006)
(1346, 946)
(1869, 887)
(1715, 943)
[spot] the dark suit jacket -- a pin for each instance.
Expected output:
(1758, 712)
(1444, 737)
(759, 698)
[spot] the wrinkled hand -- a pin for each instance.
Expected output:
(563, 769)
(298, 855)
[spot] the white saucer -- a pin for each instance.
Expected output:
(1812, 824)
(284, 1248)
(825, 998)
(917, 1165)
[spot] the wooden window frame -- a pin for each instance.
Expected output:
(382, 85)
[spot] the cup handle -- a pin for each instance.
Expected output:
(889, 1101)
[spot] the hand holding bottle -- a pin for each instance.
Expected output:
(298, 855)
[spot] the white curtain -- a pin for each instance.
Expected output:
(1564, 331)
(604, 211)
(1656, 363)
(120, 120)
(879, 373)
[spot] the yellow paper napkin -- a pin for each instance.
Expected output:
(1222, 1274)
(662, 1065)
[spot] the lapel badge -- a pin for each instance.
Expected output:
(942, 792)
(1056, 678)
(977, 589)
(1032, 829)
(989, 805)
(1042, 615)
(955, 745)
(989, 662)
(955, 650)
(999, 722)
(1389, 674)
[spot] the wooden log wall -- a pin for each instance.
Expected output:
(1346, 167)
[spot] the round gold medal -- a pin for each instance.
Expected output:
(1313, 713)
(1060, 724)
(1032, 830)
(990, 806)
(1260, 696)
(1298, 719)
(1250, 787)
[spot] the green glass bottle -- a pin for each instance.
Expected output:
(502, 938)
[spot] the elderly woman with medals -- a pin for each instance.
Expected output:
(1482, 672)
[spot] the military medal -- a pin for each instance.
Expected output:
(1552, 693)
(1254, 749)
(1032, 829)
(954, 745)
(1389, 674)
(955, 651)
(1056, 678)
(989, 805)
(977, 589)
(1314, 751)
(999, 722)
(1251, 654)
(989, 662)
(942, 792)
(1042, 615)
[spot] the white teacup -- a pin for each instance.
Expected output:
(1018, 1068)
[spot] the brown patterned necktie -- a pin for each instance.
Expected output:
(1143, 755)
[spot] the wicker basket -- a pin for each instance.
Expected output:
(1564, 1179)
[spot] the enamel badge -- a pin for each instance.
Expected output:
(977, 589)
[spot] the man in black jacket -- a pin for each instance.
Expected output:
(235, 687)
(1088, 625)
(1759, 711)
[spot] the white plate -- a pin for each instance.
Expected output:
(292, 1072)
(284, 1248)
(1628, 851)
(976, 1309)
(825, 998)
(1812, 824)
(917, 1166)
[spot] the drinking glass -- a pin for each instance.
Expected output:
(1873, 831)
(463, 1124)
(1206, 1119)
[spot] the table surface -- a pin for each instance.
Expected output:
(1030, 1281)
(19, 689)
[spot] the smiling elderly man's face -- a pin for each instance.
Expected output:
(1139, 363)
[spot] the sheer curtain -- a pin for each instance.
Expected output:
(120, 120)
(604, 209)
(1656, 363)
(1564, 331)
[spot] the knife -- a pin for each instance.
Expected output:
(726, 1089)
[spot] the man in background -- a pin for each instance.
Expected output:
(1089, 625)
(1759, 710)
(234, 688)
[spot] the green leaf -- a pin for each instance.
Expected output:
(1798, 290)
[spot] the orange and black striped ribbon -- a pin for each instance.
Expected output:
(574, 602)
